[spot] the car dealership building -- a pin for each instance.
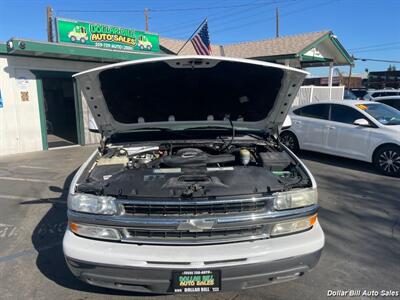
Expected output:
(41, 109)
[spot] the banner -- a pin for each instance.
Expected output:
(105, 36)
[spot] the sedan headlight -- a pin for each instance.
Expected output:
(295, 199)
(103, 205)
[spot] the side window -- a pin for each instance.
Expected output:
(396, 104)
(316, 111)
(374, 95)
(387, 102)
(345, 114)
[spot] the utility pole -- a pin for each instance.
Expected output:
(277, 21)
(349, 79)
(49, 22)
(146, 18)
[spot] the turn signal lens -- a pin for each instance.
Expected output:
(293, 226)
(96, 232)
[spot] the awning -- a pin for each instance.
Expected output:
(72, 52)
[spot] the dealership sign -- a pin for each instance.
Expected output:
(105, 36)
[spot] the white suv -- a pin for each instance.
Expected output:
(191, 190)
(371, 94)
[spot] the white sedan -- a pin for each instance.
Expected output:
(367, 131)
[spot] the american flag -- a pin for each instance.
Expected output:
(201, 40)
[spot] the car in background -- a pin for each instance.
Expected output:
(348, 95)
(393, 101)
(371, 94)
(366, 131)
(359, 93)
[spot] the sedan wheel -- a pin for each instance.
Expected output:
(387, 160)
(290, 141)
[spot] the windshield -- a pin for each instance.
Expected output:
(349, 95)
(384, 114)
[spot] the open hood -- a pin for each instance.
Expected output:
(189, 91)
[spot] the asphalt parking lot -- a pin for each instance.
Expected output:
(360, 214)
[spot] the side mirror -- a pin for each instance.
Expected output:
(287, 123)
(362, 122)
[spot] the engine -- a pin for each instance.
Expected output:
(188, 170)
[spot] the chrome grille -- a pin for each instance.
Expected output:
(202, 237)
(158, 221)
(194, 208)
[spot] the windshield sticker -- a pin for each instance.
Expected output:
(362, 106)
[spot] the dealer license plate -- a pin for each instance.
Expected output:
(196, 281)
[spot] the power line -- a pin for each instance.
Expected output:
(273, 18)
(378, 49)
(217, 17)
(161, 9)
(210, 8)
(183, 25)
(100, 11)
(375, 46)
(218, 20)
(378, 60)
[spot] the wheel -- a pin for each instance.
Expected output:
(83, 40)
(148, 47)
(141, 47)
(73, 39)
(290, 140)
(387, 160)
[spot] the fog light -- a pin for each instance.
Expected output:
(293, 226)
(96, 232)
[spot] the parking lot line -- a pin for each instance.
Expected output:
(33, 167)
(26, 179)
(2, 196)
(27, 252)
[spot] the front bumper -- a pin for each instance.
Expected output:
(154, 280)
(147, 268)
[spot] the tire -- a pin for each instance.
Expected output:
(387, 160)
(290, 140)
(83, 40)
(141, 47)
(148, 48)
(73, 39)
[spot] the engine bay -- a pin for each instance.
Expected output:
(193, 170)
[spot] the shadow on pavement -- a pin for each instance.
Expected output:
(337, 161)
(47, 240)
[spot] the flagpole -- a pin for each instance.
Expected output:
(205, 20)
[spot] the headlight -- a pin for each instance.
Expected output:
(293, 226)
(97, 232)
(294, 199)
(93, 204)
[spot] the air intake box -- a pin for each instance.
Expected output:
(275, 161)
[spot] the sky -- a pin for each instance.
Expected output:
(367, 28)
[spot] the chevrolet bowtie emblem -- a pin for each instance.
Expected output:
(196, 225)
